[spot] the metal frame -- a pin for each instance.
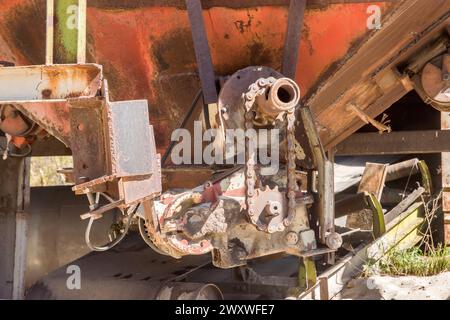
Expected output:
(15, 198)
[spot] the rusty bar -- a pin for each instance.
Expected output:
(293, 36)
(49, 32)
(81, 45)
(202, 52)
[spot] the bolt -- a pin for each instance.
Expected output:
(291, 238)
(240, 253)
(333, 241)
(446, 77)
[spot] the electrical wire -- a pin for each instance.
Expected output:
(115, 241)
(18, 155)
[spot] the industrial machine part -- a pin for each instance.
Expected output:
(436, 82)
(236, 218)
(71, 102)
(433, 82)
(247, 212)
(240, 214)
(243, 214)
(430, 74)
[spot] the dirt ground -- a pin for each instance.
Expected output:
(398, 288)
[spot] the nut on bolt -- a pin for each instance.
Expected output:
(291, 238)
(333, 241)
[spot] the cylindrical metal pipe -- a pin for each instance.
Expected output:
(55, 288)
(189, 291)
(402, 169)
(282, 96)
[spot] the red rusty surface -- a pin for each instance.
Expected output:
(147, 52)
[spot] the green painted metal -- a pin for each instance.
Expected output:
(426, 177)
(66, 33)
(379, 225)
(403, 232)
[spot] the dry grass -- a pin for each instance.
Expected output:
(431, 260)
(44, 170)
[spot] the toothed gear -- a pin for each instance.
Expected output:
(270, 210)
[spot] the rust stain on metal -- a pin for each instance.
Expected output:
(23, 28)
(46, 93)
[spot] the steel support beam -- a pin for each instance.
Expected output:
(14, 201)
(202, 52)
(403, 142)
(293, 36)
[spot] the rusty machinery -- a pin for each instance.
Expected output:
(429, 72)
(239, 214)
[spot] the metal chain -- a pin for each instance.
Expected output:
(291, 166)
(256, 89)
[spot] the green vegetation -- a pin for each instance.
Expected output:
(413, 261)
(431, 260)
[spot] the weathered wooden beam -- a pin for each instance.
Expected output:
(373, 179)
(403, 142)
(445, 166)
(402, 206)
(368, 78)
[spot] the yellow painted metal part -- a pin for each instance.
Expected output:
(307, 273)
(403, 232)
